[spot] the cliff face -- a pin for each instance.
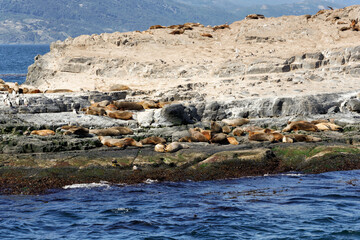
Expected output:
(286, 56)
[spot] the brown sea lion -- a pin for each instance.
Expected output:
(81, 131)
(207, 134)
(328, 127)
(111, 107)
(255, 16)
(206, 35)
(188, 139)
(159, 147)
(44, 132)
(33, 91)
(174, 147)
(4, 87)
(300, 125)
(153, 140)
(319, 121)
(215, 127)
(232, 141)
(156, 27)
(58, 91)
(121, 105)
(118, 87)
(219, 138)
(197, 135)
(95, 111)
(121, 143)
(303, 138)
(236, 122)
(123, 115)
(2, 81)
(260, 136)
(113, 131)
(177, 32)
(226, 129)
(253, 129)
(221, 27)
(238, 132)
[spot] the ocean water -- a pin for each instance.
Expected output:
(286, 206)
(15, 59)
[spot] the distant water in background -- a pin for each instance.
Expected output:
(15, 59)
(285, 206)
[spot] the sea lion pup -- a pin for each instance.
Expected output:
(232, 141)
(328, 127)
(153, 140)
(123, 115)
(226, 129)
(260, 136)
(215, 127)
(303, 138)
(174, 147)
(219, 138)
(300, 125)
(58, 91)
(128, 105)
(159, 147)
(236, 122)
(197, 135)
(238, 132)
(44, 132)
(81, 131)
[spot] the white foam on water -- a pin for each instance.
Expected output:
(150, 181)
(87, 185)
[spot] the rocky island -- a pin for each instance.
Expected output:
(187, 102)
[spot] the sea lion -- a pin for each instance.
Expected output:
(33, 91)
(100, 104)
(58, 91)
(149, 104)
(206, 133)
(156, 27)
(16, 88)
(153, 140)
(226, 129)
(159, 147)
(328, 127)
(81, 131)
(287, 139)
(219, 138)
(255, 16)
(4, 87)
(236, 122)
(198, 135)
(319, 121)
(206, 35)
(111, 107)
(121, 143)
(277, 136)
(188, 139)
(303, 138)
(2, 81)
(215, 127)
(118, 87)
(113, 131)
(177, 32)
(253, 129)
(221, 27)
(174, 147)
(95, 111)
(232, 141)
(44, 132)
(123, 115)
(260, 136)
(237, 132)
(300, 125)
(121, 105)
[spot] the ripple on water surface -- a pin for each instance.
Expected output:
(287, 206)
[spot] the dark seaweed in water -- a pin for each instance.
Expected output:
(288, 206)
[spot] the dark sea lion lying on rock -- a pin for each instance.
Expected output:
(121, 105)
(81, 131)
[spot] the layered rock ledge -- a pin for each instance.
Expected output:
(185, 81)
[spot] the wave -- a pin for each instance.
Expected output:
(87, 185)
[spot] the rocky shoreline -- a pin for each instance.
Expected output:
(32, 164)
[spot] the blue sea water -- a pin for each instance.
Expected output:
(15, 59)
(287, 206)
